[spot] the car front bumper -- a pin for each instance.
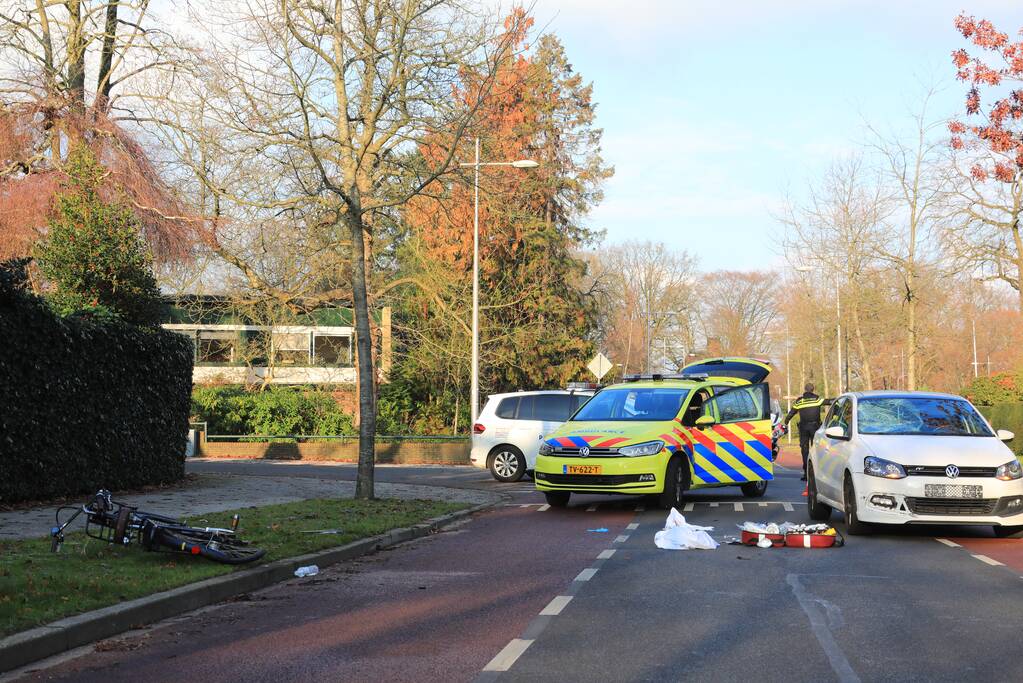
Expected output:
(644, 474)
(904, 501)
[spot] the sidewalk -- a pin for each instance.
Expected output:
(215, 492)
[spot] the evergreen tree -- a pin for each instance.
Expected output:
(93, 256)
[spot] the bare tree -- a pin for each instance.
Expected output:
(840, 232)
(916, 171)
(739, 309)
(646, 291)
(312, 116)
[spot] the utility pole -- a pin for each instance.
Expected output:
(975, 363)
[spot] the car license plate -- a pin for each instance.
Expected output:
(582, 469)
(953, 491)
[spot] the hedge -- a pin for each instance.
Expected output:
(1007, 416)
(87, 405)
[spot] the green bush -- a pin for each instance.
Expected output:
(275, 411)
(1004, 387)
(1007, 416)
(87, 404)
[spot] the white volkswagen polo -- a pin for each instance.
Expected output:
(886, 457)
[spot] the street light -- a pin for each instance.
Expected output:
(838, 327)
(474, 397)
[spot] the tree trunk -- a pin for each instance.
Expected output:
(824, 367)
(364, 362)
(868, 379)
(911, 337)
(76, 53)
(104, 78)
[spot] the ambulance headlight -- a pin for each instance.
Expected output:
(647, 448)
(546, 449)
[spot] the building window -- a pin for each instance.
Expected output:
(332, 350)
(217, 347)
(291, 348)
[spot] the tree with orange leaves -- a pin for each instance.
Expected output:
(989, 146)
(536, 319)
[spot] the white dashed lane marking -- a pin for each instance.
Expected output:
(622, 539)
(987, 560)
(506, 657)
(634, 525)
(543, 508)
(947, 542)
(592, 508)
(606, 554)
(555, 606)
(586, 574)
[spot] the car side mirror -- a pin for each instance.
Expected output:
(835, 433)
(705, 421)
(1006, 435)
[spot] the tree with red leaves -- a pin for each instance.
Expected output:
(989, 147)
(48, 106)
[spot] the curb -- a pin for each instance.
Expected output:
(65, 634)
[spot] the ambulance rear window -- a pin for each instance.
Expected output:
(628, 404)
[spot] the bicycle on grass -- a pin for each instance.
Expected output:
(118, 523)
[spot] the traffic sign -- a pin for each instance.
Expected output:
(600, 366)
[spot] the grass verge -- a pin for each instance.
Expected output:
(38, 586)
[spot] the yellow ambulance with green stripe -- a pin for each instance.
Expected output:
(709, 426)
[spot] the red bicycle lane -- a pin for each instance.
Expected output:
(435, 609)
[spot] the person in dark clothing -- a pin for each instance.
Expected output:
(809, 408)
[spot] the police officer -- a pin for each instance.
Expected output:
(809, 408)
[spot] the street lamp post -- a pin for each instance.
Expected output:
(474, 397)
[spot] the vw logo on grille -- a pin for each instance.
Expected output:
(584, 451)
(951, 471)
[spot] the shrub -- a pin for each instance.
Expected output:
(1007, 416)
(93, 255)
(275, 411)
(1004, 387)
(87, 404)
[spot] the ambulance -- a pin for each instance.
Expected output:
(708, 427)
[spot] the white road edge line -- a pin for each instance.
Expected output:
(950, 544)
(543, 508)
(555, 606)
(634, 525)
(586, 574)
(606, 554)
(506, 657)
(987, 560)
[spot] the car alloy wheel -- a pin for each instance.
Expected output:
(507, 464)
(819, 512)
(853, 525)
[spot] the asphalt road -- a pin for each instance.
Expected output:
(523, 593)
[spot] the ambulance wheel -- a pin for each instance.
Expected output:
(507, 463)
(676, 483)
(853, 525)
(754, 489)
(557, 499)
(818, 511)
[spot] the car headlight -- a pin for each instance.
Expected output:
(647, 448)
(546, 448)
(1009, 471)
(877, 467)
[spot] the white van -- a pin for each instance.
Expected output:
(511, 427)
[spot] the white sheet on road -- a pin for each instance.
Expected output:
(678, 534)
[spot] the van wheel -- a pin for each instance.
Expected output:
(754, 489)
(507, 463)
(853, 525)
(557, 499)
(819, 512)
(676, 483)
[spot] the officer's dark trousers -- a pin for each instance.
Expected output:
(805, 437)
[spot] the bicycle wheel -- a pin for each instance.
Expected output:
(206, 544)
